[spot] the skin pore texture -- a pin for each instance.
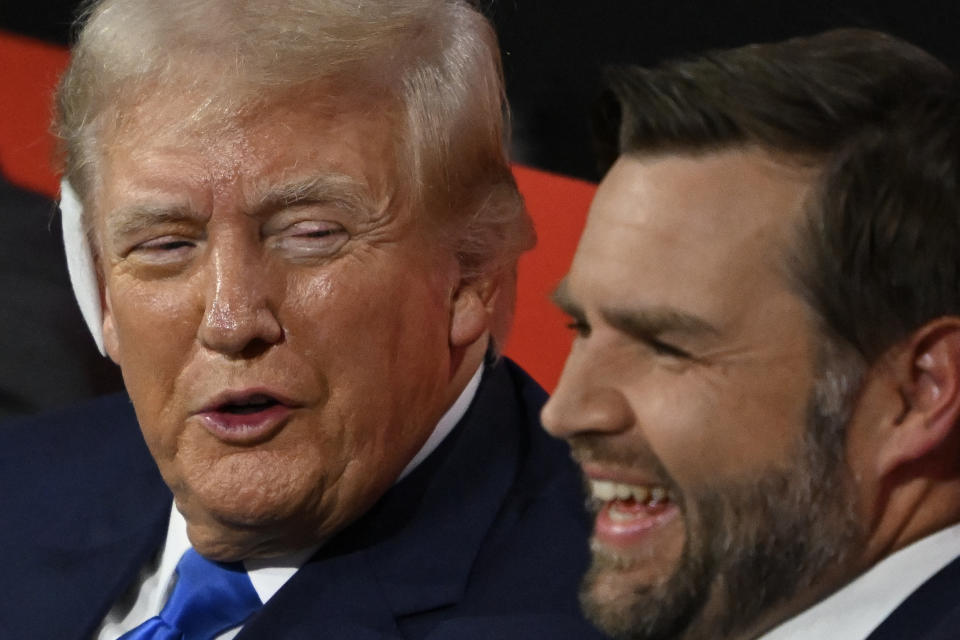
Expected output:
(695, 400)
(289, 330)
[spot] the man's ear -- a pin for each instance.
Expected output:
(472, 310)
(929, 381)
(110, 342)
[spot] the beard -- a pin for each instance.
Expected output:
(752, 544)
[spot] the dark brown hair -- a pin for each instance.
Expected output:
(801, 96)
(880, 251)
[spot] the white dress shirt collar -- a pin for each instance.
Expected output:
(853, 612)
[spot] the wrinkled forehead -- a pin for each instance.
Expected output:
(232, 129)
(202, 102)
(710, 204)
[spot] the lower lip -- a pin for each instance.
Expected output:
(246, 428)
(628, 533)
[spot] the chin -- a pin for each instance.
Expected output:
(229, 532)
(235, 504)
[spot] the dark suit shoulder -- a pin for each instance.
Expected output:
(100, 428)
(932, 612)
(83, 464)
(89, 507)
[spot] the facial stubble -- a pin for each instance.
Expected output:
(752, 544)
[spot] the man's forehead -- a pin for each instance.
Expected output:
(277, 143)
(693, 214)
(702, 234)
(199, 99)
(742, 188)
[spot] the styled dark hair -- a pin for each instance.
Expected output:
(802, 96)
(878, 254)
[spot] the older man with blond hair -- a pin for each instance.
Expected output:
(293, 226)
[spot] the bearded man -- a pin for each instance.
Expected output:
(764, 388)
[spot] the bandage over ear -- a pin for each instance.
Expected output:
(83, 274)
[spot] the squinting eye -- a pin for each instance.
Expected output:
(311, 238)
(314, 229)
(165, 244)
(162, 249)
(581, 328)
(664, 349)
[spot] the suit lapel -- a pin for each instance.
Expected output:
(415, 549)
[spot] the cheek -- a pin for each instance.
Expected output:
(681, 429)
(155, 328)
(379, 339)
(368, 315)
(704, 431)
(153, 324)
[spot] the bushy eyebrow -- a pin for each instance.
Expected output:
(339, 189)
(135, 218)
(641, 323)
(657, 321)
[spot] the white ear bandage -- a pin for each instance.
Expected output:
(83, 275)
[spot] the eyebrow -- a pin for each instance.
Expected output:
(645, 322)
(135, 218)
(339, 189)
(657, 321)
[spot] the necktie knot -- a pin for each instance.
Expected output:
(208, 598)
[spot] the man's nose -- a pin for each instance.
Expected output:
(238, 314)
(587, 398)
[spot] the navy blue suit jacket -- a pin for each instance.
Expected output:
(486, 539)
(932, 612)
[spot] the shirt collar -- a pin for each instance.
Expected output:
(853, 612)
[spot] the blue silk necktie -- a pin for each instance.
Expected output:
(208, 598)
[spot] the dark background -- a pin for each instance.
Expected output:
(553, 49)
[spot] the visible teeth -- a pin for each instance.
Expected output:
(618, 516)
(641, 494)
(605, 491)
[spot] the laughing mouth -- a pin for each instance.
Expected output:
(624, 499)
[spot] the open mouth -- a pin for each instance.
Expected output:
(627, 500)
(628, 514)
(246, 418)
(252, 404)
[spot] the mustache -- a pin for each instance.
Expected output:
(586, 448)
